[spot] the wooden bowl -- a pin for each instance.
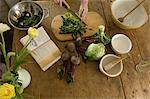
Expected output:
(134, 20)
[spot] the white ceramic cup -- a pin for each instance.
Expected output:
(116, 70)
(24, 77)
(121, 44)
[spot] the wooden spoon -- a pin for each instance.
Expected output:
(110, 65)
(121, 19)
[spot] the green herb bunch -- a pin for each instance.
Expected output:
(72, 25)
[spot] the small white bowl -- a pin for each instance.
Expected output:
(114, 71)
(136, 19)
(24, 77)
(121, 44)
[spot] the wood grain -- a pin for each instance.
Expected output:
(90, 83)
(132, 81)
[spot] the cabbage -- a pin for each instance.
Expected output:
(95, 51)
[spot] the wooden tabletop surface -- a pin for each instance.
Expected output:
(90, 83)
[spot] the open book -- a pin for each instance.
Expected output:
(43, 49)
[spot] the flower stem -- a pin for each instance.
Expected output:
(21, 54)
(4, 51)
(26, 45)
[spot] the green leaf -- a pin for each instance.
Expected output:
(69, 78)
(95, 51)
(104, 38)
(18, 96)
(24, 62)
(8, 76)
(18, 63)
(101, 36)
(19, 89)
(1, 45)
(72, 25)
(107, 40)
(60, 72)
(9, 54)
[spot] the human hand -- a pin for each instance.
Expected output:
(61, 2)
(83, 10)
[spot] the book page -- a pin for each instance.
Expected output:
(46, 54)
(43, 49)
(36, 42)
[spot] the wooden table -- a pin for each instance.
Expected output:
(90, 83)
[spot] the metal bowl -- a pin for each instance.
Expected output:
(25, 14)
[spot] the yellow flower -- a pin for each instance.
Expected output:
(4, 27)
(33, 32)
(7, 91)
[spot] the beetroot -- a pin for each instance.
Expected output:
(65, 56)
(70, 59)
(71, 47)
(75, 60)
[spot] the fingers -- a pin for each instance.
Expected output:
(83, 9)
(66, 4)
(56, 1)
(80, 11)
(60, 2)
(83, 12)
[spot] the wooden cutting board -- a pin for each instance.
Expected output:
(93, 20)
